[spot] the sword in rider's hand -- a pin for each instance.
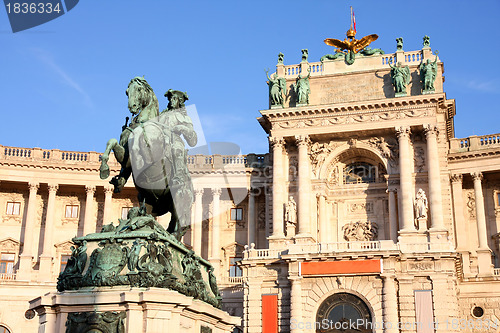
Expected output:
(126, 122)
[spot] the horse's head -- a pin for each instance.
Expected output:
(140, 94)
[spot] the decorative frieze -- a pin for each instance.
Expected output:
(360, 231)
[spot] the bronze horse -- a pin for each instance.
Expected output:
(152, 151)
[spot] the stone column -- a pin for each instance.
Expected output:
(323, 221)
(434, 174)
(89, 223)
(405, 180)
(46, 258)
(390, 304)
(278, 187)
(216, 192)
(295, 303)
(26, 257)
(108, 203)
(251, 217)
(198, 218)
(460, 223)
(304, 187)
(483, 252)
(393, 215)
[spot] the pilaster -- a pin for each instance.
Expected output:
(89, 223)
(198, 218)
(278, 235)
(483, 252)
(304, 191)
(46, 258)
(405, 180)
(26, 257)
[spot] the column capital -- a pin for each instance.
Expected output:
(302, 140)
(33, 186)
(403, 132)
(477, 175)
(199, 191)
(456, 178)
(216, 192)
(320, 194)
(90, 189)
(52, 187)
(108, 190)
(276, 142)
(254, 191)
(430, 130)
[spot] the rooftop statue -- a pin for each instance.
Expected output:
(277, 89)
(280, 58)
(305, 55)
(152, 151)
(428, 72)
(303, 89)
(427, 41)
(400, 77)
(350, 46)
(399, 44)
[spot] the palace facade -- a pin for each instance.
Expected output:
(367, 209)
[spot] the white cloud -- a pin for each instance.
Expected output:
(48, 60)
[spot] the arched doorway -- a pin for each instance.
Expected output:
(343, 313)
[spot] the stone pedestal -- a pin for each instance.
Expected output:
(124, 309)
(422, 224)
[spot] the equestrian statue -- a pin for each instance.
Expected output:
(152, 150)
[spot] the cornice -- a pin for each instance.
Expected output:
(356, 108)
(472, 154)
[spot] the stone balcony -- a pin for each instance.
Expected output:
(349, 249)
(195, 162)
(474, 143)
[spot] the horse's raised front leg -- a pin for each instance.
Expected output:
(104, 169)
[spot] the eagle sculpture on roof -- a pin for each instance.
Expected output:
(350, 46)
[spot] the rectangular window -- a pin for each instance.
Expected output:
(72, 211)
(7, 263)
(125, 211)
(236, 214)
(13, 208)
(64, 262)
(233, 269)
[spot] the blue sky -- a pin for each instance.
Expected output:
(63, 83)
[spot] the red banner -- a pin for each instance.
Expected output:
(341, 267)
(269, 313)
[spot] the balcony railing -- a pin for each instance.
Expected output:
(348, 247)
(496, 271)
(74, 157)
(474, 142)
(7, 276)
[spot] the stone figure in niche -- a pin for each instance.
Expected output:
(305, 55)
(427, 41)
(277, 89)
(280, 58)
(302, 88)
(360, 231)
(291, 212)
(400, 76)
(419, 159)
(399, 43)
(428, 72)
(151, 148)
(421, 204)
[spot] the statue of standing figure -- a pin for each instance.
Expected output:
(303, 89)
(277, 89)
(291, 212)
(421, 205)
(428, 72)
(400, 77)
(427, 41)
(280, 58)
(305, 55)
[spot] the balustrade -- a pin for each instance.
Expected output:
(459, 145)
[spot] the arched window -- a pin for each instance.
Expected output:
(360, 172)
(343, 312)
(4, 329)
